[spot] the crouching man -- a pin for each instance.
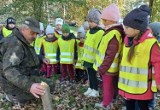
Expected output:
(19, 64)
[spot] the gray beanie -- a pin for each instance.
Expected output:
(155, 27)
(86, 25)
(82, 32)
(94, 15)
(49, 30)
(80, 29)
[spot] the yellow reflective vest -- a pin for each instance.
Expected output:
(79, 63)
(133, 77)
(66, 50)
(6, 32)
(90, 45)
(57, 35)
(101, 51)
(50, 50)
(38, 43)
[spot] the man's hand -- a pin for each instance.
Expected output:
(36, 89)
(46, 60)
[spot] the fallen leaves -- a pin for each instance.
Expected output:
(69, 97)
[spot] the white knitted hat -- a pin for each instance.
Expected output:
(59, 21)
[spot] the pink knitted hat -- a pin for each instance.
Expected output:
(111, 13)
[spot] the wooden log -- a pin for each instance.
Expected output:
(46, 98)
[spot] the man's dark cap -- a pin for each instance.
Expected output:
(33, 24)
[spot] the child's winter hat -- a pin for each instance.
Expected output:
(41, 26)
(86, 25)
(155, 27)
(59, 21)
(65, 28)
(82, 32)
(49, 30)
(138, 18)
(94, 15)
(10, 20)
(111, 13)
(82, 35)
(80, 29)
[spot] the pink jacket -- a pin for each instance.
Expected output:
(155, 62)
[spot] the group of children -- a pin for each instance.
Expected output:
(63, 51)
(127, 56)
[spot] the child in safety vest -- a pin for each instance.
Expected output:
(58, 34)
(108, 55)
(155, 27)
(81, 73)
(139, 74)
(39, 39)
(49, 51)
(93, 37)
(7, 30)
(68, 53)
(58, 27)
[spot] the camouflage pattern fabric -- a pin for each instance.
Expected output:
(19, 66)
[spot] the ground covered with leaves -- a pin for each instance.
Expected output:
(68, 97)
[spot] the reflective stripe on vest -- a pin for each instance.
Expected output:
(78, 64)
(133, 77)
(154, 87)
(69, 56)
(66, 50)
(133, 83)
(6, 32)
(134, 70)
(66, 59)
(114, 68)
(52, 60)
(113, 65)
(50, 50)
(90, 45)
(50, 54)
(90, 48)
(88, 56)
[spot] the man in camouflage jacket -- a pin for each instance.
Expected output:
(19, 64)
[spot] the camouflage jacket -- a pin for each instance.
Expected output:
(18, 63)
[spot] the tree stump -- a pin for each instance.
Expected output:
(46, 98)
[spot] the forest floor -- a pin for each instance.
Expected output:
(68, 97)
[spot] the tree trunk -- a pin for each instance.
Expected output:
(151, 4)
(38, 9)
